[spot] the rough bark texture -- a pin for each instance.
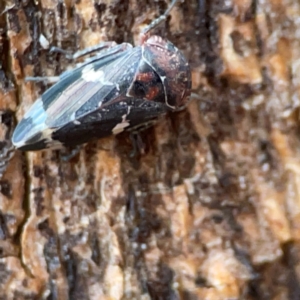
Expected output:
(210, 211)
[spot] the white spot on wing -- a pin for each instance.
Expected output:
(90, 75)
(120, 127)
(47, 136)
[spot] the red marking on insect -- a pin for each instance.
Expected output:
(152, 93)
(145, 77)
(109, 92)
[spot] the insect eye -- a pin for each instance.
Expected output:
(139, 89)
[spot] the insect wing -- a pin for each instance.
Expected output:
(117, 116)
(96, 85)
(79, 92)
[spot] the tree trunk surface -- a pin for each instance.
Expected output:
(210, 210)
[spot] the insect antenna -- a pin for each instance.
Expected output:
(160, 19)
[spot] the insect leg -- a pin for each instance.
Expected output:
(143, 126)
(65, 157)
(49, 79)
(193, 96)
(66, 53)
(138, 147)
(102, 57)
(86, 51)
(106, 53)
(100, 47)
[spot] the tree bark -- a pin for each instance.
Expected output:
(211, 210)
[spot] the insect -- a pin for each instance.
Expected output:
(118, 89)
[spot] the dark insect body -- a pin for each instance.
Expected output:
(119, 89)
